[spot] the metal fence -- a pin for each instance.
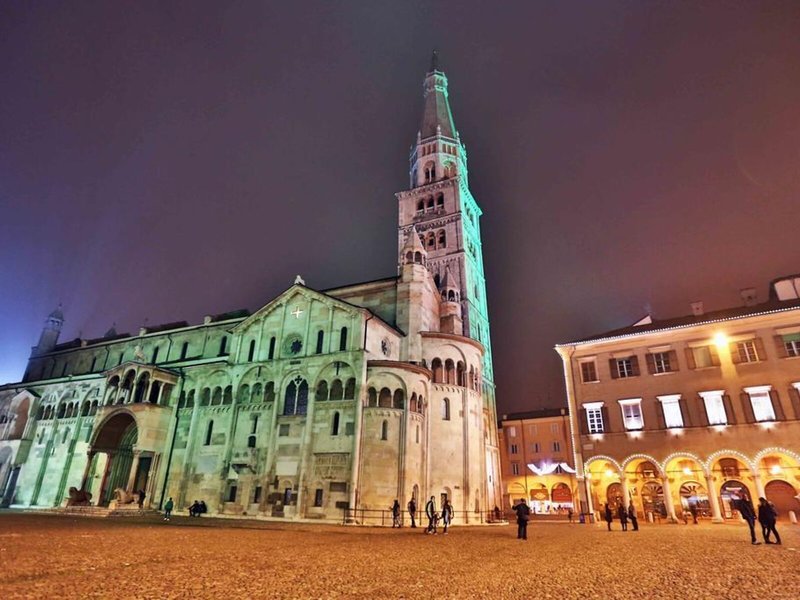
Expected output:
(383, 518)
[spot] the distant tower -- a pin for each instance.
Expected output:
(440, 206)
(50, 332)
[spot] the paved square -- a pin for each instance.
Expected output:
(66, 557)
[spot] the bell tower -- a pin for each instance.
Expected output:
(50, 332)
(441, 208)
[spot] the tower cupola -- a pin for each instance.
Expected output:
(50, 332)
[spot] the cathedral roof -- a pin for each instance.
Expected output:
(448, 280)
(436, 112)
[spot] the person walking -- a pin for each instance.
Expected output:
(141, 499)
(447, 514)
(745, 508)
(632, 516)
(395, 513)
(766, 518)
(623, 517)
(168, 509)
(430, 512)
(523, 516)
(570, 514)
(412, 511)
(609, 516)
(693, 511)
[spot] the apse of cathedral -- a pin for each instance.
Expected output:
(318, 403)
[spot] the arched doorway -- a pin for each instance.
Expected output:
(783, 496)
(116, 439)
(653, 499)
(614, 495)
(731, 490)
(694, 495)
(561, 496)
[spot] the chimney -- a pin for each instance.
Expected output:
(748, 296)
(697, 308)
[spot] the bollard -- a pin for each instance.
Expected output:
(792, 517)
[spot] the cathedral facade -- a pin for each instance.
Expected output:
(316, 403)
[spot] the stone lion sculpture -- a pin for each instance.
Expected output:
(123, 497)
(79, 497)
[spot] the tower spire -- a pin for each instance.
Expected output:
(434, 61)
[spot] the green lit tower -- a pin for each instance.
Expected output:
(440, 206)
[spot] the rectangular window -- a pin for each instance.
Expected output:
(556, 446)
(671, 407)
(715, 408)
(632, 414)
(515, 468)
(761, 403)
(588, 371)
(512, 431)
(792, 347)
(661, 362)
(283, 430)
(514, 449)
(555, 428)
(624, 367)
(747, 351)
(338, 486)
(257, 495)
(536, 447)
(349, 428)
(232, 493)
(318, 497)
(594, 417)
(702, 357)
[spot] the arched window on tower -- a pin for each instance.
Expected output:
(385, 398)
(337, 392)
(223, 345)
(343, 339)
(440, 201)
(436, 367)
(209, 432)
(322, 392)
(399, 399)
(420, 207)
(184, 350)
(335, 424)
(296, 397)
(430, 241)
(350, 389)
(251, 353)
(320, 340)
(430, 203)
(271, 353)
(385, 430)
(372, 397)
(449, 371)
(442, 238)
(446, 409)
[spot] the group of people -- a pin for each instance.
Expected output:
(197, 508)
(624, 515)
(766, 515)
(445, 516)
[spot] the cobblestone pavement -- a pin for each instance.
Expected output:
(68, 557)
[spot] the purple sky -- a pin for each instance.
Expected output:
(163, 163)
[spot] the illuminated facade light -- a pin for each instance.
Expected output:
(720, 339)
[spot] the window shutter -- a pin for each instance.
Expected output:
(635, 366)
(612, 366)
(747, 407)
(734, 353)
(662, 422)
(651, 364)
(712, 351)
(687, 422)
(729, 412)
(584, 422)
(760, 350)
(690, 358)
(606, 423)
(776, 405)
(794, 395)
(702, 414)
(780, 346)
(673, 361)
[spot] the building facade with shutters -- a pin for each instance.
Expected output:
(317, 402)
(682, 415)
(537, 461)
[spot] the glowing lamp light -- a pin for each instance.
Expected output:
(720, 339)
(767, 425)
(775, 469)
(687, 471)
(609, 472)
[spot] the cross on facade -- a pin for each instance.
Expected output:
(297, 312)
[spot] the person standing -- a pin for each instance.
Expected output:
(168, 509)
(430, 512)
(766, 518)
(745, 508)
(609, 516)
(623, 517)
(693, 511)
(141, 499)
(570, 514)
(395, 513)
(632, 516)
(523, 515)
(447, 514)
(412, 511)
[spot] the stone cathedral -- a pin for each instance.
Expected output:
(320, 401)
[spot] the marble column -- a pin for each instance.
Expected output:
(670, 504)
(757, 481)
(713, 499)
(86, 469)
(626, 493)
(132, 475)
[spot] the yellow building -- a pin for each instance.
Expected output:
(681, 415)
(537, 460)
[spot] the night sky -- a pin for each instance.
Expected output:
(163, 161)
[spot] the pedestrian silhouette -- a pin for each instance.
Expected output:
(523, 515)
(412, 511)
(447, 514)
(745, 508)
(168, 509)
(395, 513)
(623, 517)
(632, 516)
(430, 512)
(609, 516)
(767, 515)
